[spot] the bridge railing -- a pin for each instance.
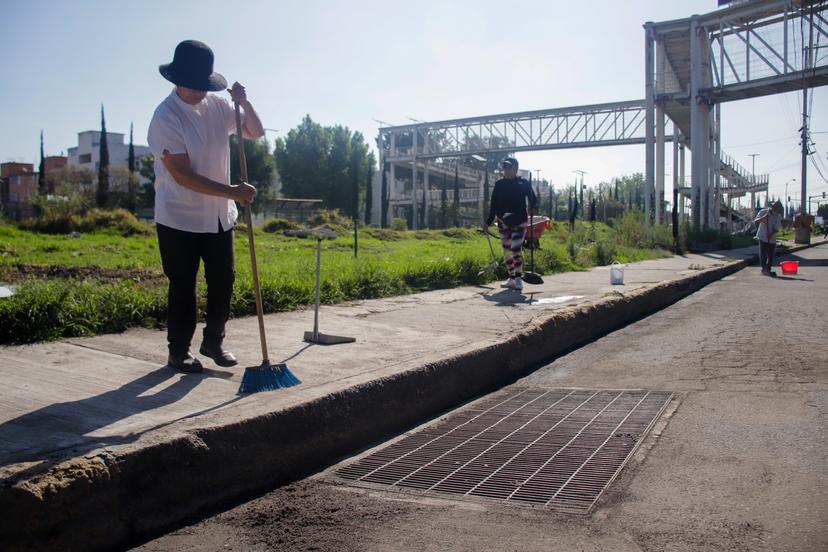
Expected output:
(580, 126)
(750, 181)
(765, 39)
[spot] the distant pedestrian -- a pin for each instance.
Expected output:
(195, 209)
(509, 206)
(769, 222)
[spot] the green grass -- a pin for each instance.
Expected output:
(102, 281)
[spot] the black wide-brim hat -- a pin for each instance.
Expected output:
(192, 67)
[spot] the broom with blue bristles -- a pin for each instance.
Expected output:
(267, 376)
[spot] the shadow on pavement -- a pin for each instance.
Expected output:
(509, 297)
(806, 262)
(70, 423)
(793, 278)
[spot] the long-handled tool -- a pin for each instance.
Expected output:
(267, 376)
(532, 277)
(315, 336)
(492, 266)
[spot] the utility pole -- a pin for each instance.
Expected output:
(753, 169)
(753, 179)
(804, 142)
(802, 233)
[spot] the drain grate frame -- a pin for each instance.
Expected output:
(551, 448)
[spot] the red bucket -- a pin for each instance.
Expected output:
(789, 267)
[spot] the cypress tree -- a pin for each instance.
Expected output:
(41, 170)
(102, 195)
(573, 211)
(132, 183)
(131, 159)
(551, 199)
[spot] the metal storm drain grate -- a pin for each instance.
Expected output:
(556, 448)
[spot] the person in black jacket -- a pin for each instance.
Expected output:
(508, 205)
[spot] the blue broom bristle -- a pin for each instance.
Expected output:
(267, 378)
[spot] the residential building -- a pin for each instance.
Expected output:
(87, 152)
(54, 162)
(18, 182)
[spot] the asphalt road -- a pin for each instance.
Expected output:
(737, 461)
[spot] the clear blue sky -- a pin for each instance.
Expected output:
(352, 62)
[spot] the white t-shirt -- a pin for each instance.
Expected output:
(775, 224)
(201, 131)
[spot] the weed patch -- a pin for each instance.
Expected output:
(106, 280)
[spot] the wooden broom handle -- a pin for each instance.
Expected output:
(248, 219)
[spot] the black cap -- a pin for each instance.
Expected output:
(511, 161)
(192, 67)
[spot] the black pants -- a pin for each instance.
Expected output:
(766, 255)
(181, 254)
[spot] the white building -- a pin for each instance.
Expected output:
(87, 152)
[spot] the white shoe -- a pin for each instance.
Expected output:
(518, 284)
(509, 284)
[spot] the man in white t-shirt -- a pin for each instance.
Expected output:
(770, 221)
(195, 208)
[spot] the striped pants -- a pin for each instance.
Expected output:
(511, 238)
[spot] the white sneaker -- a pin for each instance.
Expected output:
(518, 284)
(510, 284)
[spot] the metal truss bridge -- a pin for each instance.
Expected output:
(609, 124)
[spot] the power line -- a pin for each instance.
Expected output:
(781, 159)
(818, 170)
(780, 169)
(760, 143)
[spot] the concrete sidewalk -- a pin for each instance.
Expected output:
(100, 444)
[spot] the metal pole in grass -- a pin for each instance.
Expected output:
(315, 336)
(266, 376)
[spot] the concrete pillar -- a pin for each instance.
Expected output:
(427, 192)
(699, 131)
(676, 195)
(392, 180)
(392, 190)
(682, 165)
(649, 115)
(659, 168)
(480, 198)
(414, 203)
(715, 172)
